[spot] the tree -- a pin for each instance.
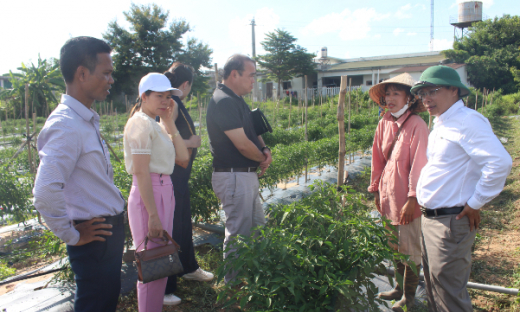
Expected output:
(43, 80)
(491, 53)
(151, 46)
(285, 59)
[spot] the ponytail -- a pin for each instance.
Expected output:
(137, 106)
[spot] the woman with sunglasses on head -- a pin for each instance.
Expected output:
(398, 155)
(150, 157)
(181, 77)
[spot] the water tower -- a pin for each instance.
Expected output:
(469, 12)
(323, 60)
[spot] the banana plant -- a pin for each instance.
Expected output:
(44, 80)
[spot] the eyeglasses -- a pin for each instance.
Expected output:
(431, 93)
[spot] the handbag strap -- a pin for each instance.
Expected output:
(189, 126)
(166, 237)
(396, 137)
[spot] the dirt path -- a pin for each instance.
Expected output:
(497, 246)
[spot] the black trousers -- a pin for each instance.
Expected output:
(183, 235)
(97, 269)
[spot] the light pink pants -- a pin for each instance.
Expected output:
(150, 295)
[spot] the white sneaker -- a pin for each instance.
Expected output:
(171, 300)
(199, 275)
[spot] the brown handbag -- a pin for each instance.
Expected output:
(159, 262)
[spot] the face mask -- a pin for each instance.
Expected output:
(401, 111)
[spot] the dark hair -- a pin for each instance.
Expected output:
(413, 104)
(236, 62)
(80, 51)
(179, 73)
(137, 105)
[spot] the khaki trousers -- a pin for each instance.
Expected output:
(239, 194)
(409, 240)
(446, 260)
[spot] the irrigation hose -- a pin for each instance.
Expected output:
(498, 289)
(24, 277)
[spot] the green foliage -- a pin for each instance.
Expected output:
(204, 202)
(309, 252)
(44, 81)
(285, 59)
(152, 46)
(5, 270)
(491, 52)
(15, 193)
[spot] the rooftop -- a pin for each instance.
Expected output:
(426, 58)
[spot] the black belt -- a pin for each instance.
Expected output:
(245, 169)
(114, 220)
(441, 211)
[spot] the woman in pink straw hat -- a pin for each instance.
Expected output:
(151, 150)
(398, 155)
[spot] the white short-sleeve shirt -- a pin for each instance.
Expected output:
(143, 135)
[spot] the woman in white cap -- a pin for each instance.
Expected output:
(398, 155)
(148, 146)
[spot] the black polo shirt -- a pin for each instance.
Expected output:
(228, 111)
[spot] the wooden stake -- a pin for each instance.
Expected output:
(341, 129)
(29, 152)
(306, 134)
(200, 114)
(476, 99)
(290, 108)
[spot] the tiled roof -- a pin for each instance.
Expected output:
(389, 62)
(409, 69)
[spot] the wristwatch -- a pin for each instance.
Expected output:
(264, 148)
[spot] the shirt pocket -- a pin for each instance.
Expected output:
(401, 150)
(445, 143)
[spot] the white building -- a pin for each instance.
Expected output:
(364, 71)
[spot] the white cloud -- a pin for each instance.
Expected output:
(487, 3)
(442, 44)
(411, 33)
(419, 5)
(377, 36)
(397, 31)
(350, 25)
(240, 33)
(404, 12)
(347, 55)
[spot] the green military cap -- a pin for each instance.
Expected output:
(440, 75)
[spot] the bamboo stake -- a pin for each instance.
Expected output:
(290, 108)
(321, 106)
(29, 153)
(306, 134)
(200, 114)
(349, 113)
(341, 129)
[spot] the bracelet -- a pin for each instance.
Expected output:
(175, 135)
(264, 148)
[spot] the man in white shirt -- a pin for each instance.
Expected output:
(74, 188)
(467, 167)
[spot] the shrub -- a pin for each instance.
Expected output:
(309, 252)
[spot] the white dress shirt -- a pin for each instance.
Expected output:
(467, 164)
(75, 180)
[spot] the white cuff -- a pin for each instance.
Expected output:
(474, 203)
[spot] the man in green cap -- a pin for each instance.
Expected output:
(467, 167)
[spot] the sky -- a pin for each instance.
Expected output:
(349, 29)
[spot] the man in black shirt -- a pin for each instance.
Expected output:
(237, 151)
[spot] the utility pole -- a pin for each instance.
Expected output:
(431, 28)
(253, 42)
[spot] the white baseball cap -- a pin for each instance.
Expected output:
(157, 82)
